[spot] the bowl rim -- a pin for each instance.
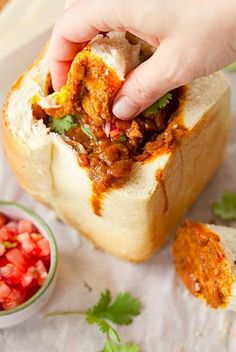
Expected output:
(53, 262)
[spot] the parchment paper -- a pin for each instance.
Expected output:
(171, 319)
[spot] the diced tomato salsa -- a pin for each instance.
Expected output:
(24, 261)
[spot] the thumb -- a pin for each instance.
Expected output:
(163, 71)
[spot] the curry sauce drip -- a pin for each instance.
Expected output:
(202, 264)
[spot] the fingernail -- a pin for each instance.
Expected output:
(124, 108)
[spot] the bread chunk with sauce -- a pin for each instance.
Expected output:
(124, 185)
(205, 258)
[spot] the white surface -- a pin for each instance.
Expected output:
(171, 319)
(24, 20)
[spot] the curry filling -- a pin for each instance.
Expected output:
(81, 114)
(202, 264)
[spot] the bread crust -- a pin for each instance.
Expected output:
(137, 218)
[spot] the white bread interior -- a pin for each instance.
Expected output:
(136, 218)
(227, 237)
(116, 51)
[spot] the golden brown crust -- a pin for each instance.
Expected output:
(202, 264)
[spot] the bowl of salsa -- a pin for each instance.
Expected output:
(28, 263)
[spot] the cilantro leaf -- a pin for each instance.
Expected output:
(163, 101)
(121, 311)
(63, 125)
(129, 347)
(123, 138)
(104, 327)
(231, 67)
(103, 303)
(158, 105)
(102, 324)
(152, 110)
(225, 208)
(110, 346)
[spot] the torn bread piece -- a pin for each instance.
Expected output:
(95, 76)
(122, 185)
(205, 258)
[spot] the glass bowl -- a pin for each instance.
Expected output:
(27, 309)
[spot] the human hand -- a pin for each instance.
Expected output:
(193, 38)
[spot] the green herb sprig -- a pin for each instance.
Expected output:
(158, 105)
(120, 311)
(231, 67)
(225, 208)
(63, 125)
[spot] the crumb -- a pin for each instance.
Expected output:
(86, 285)
(197, 286)
(59, 220)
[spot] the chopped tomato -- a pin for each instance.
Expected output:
(12, 227)
(13, 299)
(25, 226)
(4, 291)
(27, 244)
(27, 279)
(36, 236)
(41, 271)
(24, 261)
(6, 271)
(15, 257)
(3, 220)
(2, 249)
(43, 244)
(22, 237)
(11, 273)
(5, 234)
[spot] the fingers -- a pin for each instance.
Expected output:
(77, 25)
(164, 71)
(62, 53)
(83, 20)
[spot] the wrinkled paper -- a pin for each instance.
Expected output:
(171, 320)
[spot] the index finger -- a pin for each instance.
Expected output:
(86, 18)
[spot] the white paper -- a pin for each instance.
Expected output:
(171, 319)
(23, 20)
